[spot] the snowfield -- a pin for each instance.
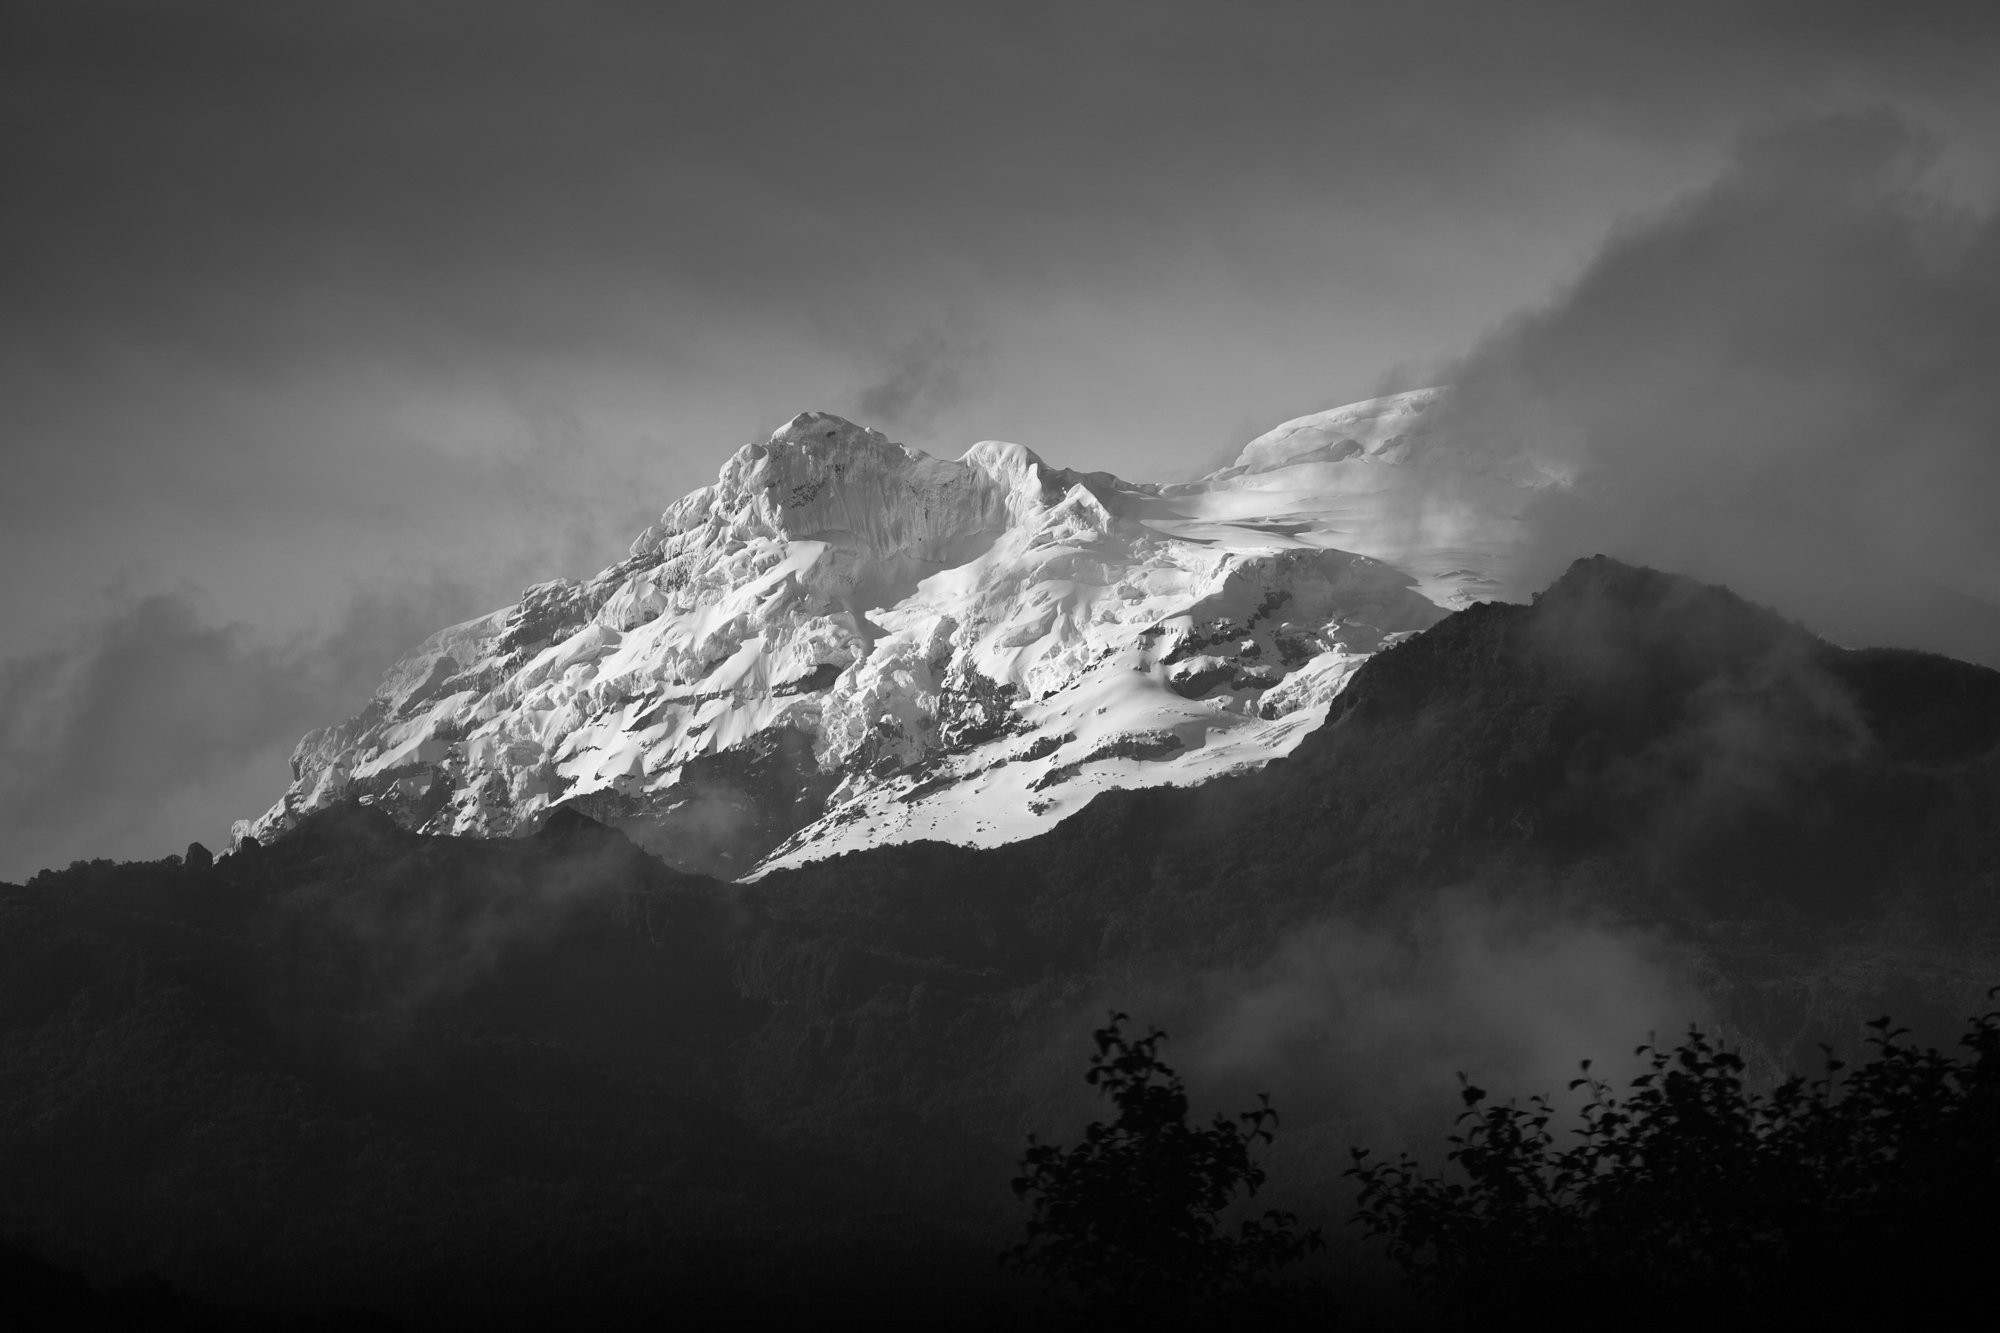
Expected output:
(845, 642)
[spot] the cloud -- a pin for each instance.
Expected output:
(1354, 1020)
(926, 377)
(1782, 383)
(1152, 200)
(103, 740)
(409, 936)
(1358, 1029)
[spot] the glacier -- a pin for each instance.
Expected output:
(846, 642)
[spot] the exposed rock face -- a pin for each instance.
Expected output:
(845, 642)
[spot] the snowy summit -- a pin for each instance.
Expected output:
(845, 642)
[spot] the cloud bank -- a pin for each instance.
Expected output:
(1783, 382)
(146, 731)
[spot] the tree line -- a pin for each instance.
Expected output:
(1861, 1195)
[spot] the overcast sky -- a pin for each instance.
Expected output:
(324, 324)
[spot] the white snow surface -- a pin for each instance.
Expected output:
(845, 642)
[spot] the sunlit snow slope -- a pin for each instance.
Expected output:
(846, 642)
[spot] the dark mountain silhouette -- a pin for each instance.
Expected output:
(1632, 744)
(508, 1082)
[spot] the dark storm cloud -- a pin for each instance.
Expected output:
(97, 738)
(1784, 383)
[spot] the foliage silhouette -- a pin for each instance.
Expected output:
(1693, 1198)
(1130, 1218)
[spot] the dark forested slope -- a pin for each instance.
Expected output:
(1632, 741)
(504, 1081)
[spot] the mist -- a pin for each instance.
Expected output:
(1359, 1028)
(1782, 382)
(1366, 1021)
(924, 378)
(424, 935)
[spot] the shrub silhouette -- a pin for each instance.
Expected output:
(1130, 1218)
(1691, 1198)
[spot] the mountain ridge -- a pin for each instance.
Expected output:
(499, 1080)
(845, 641)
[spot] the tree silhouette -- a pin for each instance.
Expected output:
(1130, 1218)
(1695, 1199)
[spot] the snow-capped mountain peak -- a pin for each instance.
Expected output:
(844, 641)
